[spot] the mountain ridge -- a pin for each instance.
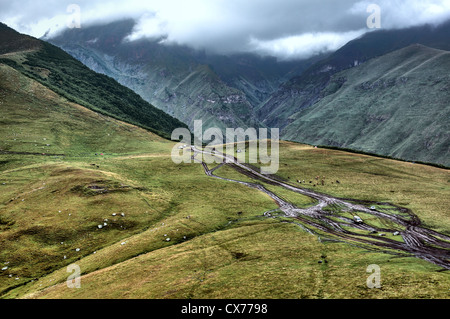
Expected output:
(395, 105)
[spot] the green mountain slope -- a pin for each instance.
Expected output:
(54, 188)
(305, 90)
(396, 105)
(68, 77)
(36, 120)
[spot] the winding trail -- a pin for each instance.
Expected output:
(417, 241)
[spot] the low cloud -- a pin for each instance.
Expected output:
(404, 14)
(285, 28)
(305, 45)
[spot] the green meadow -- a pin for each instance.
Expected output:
(187, 235)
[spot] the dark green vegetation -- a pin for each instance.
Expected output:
(12, 42)
(35, 119)
(66, 76)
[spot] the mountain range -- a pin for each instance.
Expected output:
(247, 90)
(188, 84)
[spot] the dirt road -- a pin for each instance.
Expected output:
(416, 240)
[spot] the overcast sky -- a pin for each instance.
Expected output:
(284, 28)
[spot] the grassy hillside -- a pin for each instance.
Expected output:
(396, 105)
(69, 78)
(220, 246)
(35, 119)
(300, 93)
